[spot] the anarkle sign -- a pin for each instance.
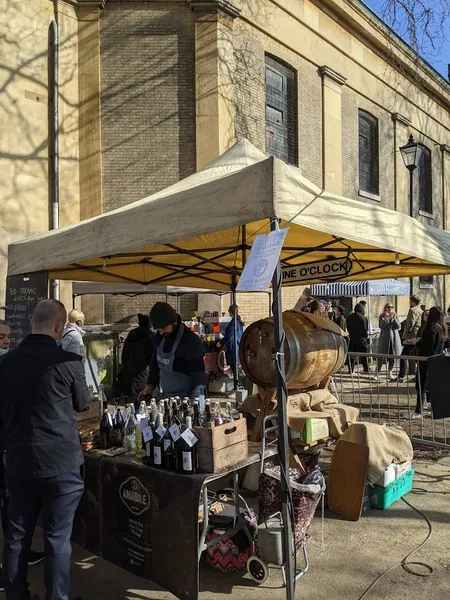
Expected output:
(335, 268)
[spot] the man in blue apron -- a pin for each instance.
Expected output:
(177, 366)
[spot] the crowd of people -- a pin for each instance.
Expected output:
(423, 333)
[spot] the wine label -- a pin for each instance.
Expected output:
(161, 431)
(189, 437)
(167, 444)
(143, 423)
(175, 432)
(147, 434)
(148, 448)
(157, 455)
(187, 461)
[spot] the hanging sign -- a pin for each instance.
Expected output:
(335, 268)
(261, 263)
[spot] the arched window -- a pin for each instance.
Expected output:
(281, 111)
(425, 181)
(368, 153)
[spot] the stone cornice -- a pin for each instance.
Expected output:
(445, 148)
(325, 71)
(224, 7)
(397, 117)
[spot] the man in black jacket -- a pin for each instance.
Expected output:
(41, 387)
(177, 364)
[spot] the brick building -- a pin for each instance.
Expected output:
(151, 90)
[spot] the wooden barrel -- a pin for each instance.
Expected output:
(314, 349)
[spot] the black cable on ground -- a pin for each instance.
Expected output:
(405, 564)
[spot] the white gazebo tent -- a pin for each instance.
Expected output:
(198, 232)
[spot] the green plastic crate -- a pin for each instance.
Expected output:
(383, 497)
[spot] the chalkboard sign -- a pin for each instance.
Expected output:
(23, 293)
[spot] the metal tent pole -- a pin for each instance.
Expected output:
(283, 445)
(369, 317)
(236, 348)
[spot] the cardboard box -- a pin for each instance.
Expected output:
(313, 430)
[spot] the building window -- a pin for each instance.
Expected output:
(368, 153)
(426, 282)
(425, 182)
(281, 111)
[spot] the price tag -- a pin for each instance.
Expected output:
(189, 437)
(175, 432)
(147, 434)
(143, 423)
(161, 431)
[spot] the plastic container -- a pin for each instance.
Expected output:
(393, 472)
(384, 497)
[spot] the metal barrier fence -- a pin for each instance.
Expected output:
(382, 397)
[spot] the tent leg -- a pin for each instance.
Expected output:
(283, 445)
(369, 317)
(236, 347)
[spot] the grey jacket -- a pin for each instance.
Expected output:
(72, 340)
(389, 336)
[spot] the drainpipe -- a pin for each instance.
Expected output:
(53, 149)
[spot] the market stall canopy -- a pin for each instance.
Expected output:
(192, 234)
(84, 288)
(377, 287)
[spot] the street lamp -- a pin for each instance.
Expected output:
(411, 153)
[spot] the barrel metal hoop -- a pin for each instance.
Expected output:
(291, 370)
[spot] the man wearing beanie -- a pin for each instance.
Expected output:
(177, 365)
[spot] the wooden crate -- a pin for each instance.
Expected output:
(222, 446)
(91, 413)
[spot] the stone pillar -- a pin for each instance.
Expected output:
(91, 196)
(332, 83)
(446, 210)
(214, 78)
(89, 113)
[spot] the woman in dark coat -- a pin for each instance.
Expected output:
(358, 330)
(136, 356)
(389, 341)
(431, 344)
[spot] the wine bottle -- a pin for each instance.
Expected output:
(117, 433)
(129, 441)
(157, 443)
(208, 416)
(188, 453)
(217, 415)
(230, 413)
(106, 427)
(138, 441)
(176, 413)
(197, 421)
(167, 458)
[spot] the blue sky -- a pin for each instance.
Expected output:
(438, 58)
